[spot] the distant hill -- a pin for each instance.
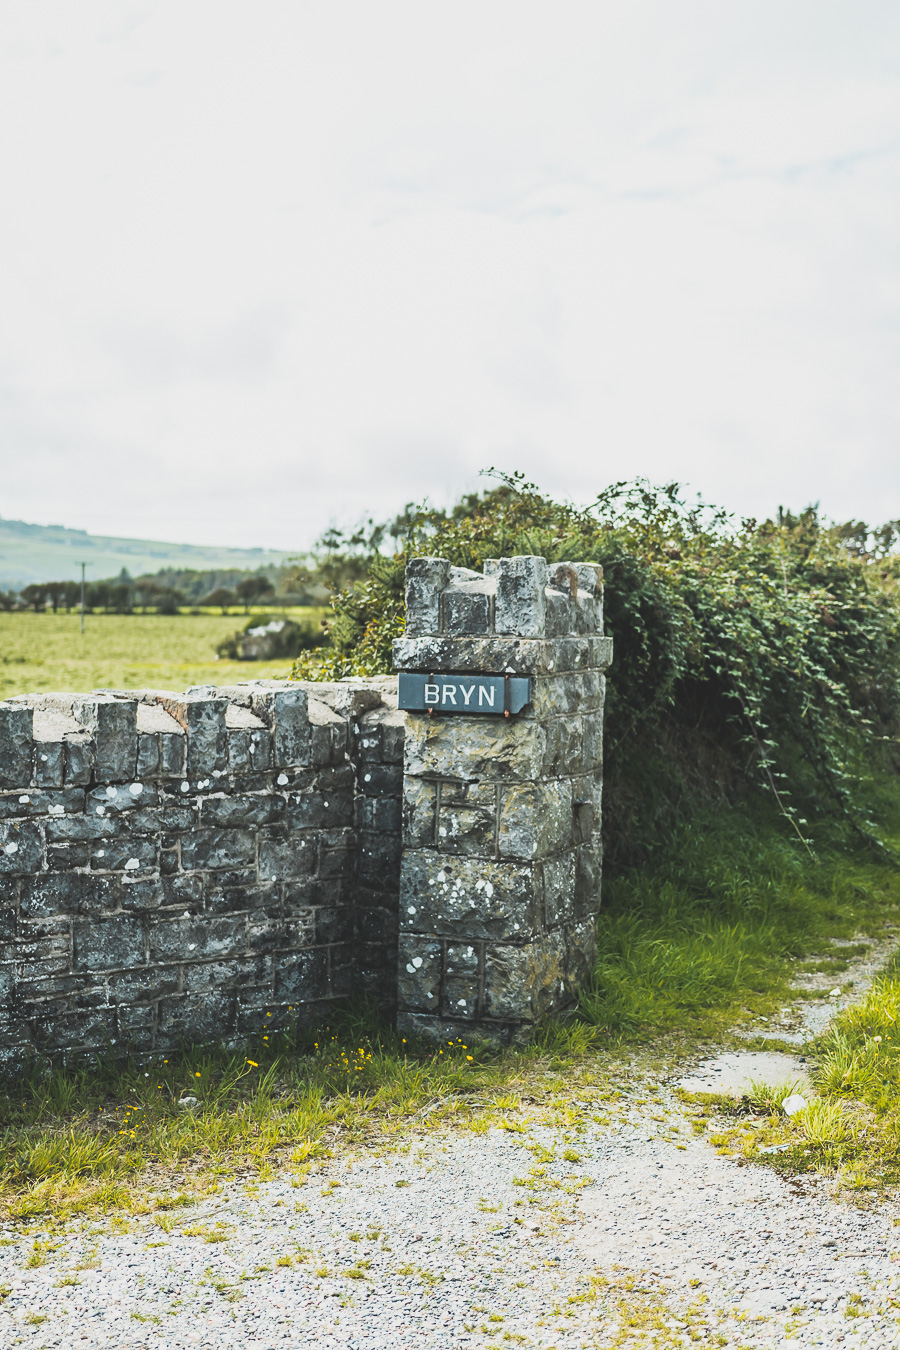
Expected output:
(52, 553)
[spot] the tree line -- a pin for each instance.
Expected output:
(156, 595)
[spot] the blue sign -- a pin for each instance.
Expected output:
(497, 695)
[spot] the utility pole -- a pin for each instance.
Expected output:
(82, 596)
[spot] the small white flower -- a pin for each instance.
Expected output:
(24, 800)
(185, 787)
(111, 791)
(282, 780)
(101, 810)
(11, 848)
(132, 865)
(101, 853)
(136, 789)
(411, 910)
(417, 962)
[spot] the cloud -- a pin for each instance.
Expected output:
(278, 268)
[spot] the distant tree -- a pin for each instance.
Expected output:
(56, 590)
(221, 598)
(120, 598)
(36, 595)
(8, 600)
(72, 594)
(98, 595)
(168, 599)
(252, 589)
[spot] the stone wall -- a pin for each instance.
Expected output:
(178, 866)
(191, 867)
(500, 880)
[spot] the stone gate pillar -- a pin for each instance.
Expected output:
(500, 876)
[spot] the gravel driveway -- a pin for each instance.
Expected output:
(610, 1224)
(476, 1239)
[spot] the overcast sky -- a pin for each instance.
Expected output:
(270, 265)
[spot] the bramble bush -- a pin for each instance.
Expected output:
(746, 653)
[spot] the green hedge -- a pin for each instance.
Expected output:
(746, 653)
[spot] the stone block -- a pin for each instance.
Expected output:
(328, 744)
(463, 748)
(16, 745)
(467, 820)
(291, 730)
(112, 798)
(380, 813)
(420, 812)
(239, 751)
(135, 1024)
(381, 780)
(461, 987)
(419, 973)
(238, 892)
(49, 895)
(378, 858)
(39, 802)
(588, 860)
(334, 923)
(176, 893)
(67, 857)
(262, 751)
(208, 1016)
(535, 819)
(132, 856)
(521, 602)
(524, 983)
(108, 943)
(49, 764)
(112, 725)
(426, 578)
(66, 829)
(317, 809)
(468, 898)
(242, 810)
(172, 754)
(242, 973)
(147, 756)
(79, 760)
(467, 611)
(218, 848)
(376, 922)
(197, 938)
(285, 857)
(272, 930)
(559, 889)
(563, 746)
(302, 977)
(21, 848)
(203, 721)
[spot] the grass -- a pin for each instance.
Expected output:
(41, 653)
(703, 937)
(686, 950)
(851, 1128)
(105, 1135)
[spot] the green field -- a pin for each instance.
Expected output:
(40, 653)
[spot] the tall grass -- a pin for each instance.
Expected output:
(706, 929)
